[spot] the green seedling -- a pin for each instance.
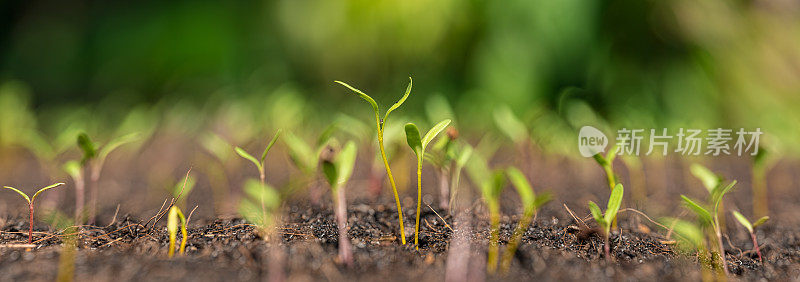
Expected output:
(305, 157)
(93, 159)
(710, 217)
(30, 205)
(175, 215)
(750, 228)
(491, 185)
(418, 146)
(607, 163)
(260, 205)
(690, 237)
(762, 161)
(604, 220)
(259, 163)
(445, 156)
(531, 203)
(380, 123)
(338, 167)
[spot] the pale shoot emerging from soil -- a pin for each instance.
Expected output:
(380, 122)
(260, 205)
(175, 219)
(604, 220)
(531, 203)
(491, 185)
(30, 201)
(750, 228)
(419, 145)
(338, 167)
(259, 163)
(93, 159)
(710, 217)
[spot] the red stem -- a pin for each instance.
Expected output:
(755, 246)
(30, 224)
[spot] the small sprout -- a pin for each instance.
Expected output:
(607, 163)
(604, 220)
(531, 203)
(491, 185)
(174, 216)
(419, 145)
(94, 160)
(30, 206)
(380, 124)
(259, 163)
(750, 228)
(260, 204)
(710, 217)
(337, 169)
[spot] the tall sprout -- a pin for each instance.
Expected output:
(380, 122)
(419, 145)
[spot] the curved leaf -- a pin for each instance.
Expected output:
(688, 232)
(720, 192)
(248, 156)
(362, 95)
(743, 221)
(597, 214)
(435, 130)
(20, 192)
(300, 153)
(345, 163)
(709, 179)
(614, 202)
(701, 212)
(43, 189)
(413, 138)
(510, 125)
(116, 143)
(760, 221)
(522, 185)
(399, 102)
(269, 146)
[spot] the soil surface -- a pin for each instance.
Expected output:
(226, 249)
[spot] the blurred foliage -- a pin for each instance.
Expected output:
(235, 71)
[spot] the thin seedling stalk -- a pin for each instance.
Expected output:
(379, 123)
(394, 186)
(494, 247)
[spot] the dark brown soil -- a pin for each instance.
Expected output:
(230, 249)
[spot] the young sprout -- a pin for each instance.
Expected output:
(490, 186)
(604, 220)
(444, 157)
(419, 145)
(175, 214)
(380, 123)
(94, 160)
(531, 203)
(30, 206)
(607, 163)
(260, 204)
(750, 226)
(710, 217)
(305, 157)
(259, 163)
(690, 236)
(338, 167)
(182, 189)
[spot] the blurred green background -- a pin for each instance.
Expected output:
(244, 68)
